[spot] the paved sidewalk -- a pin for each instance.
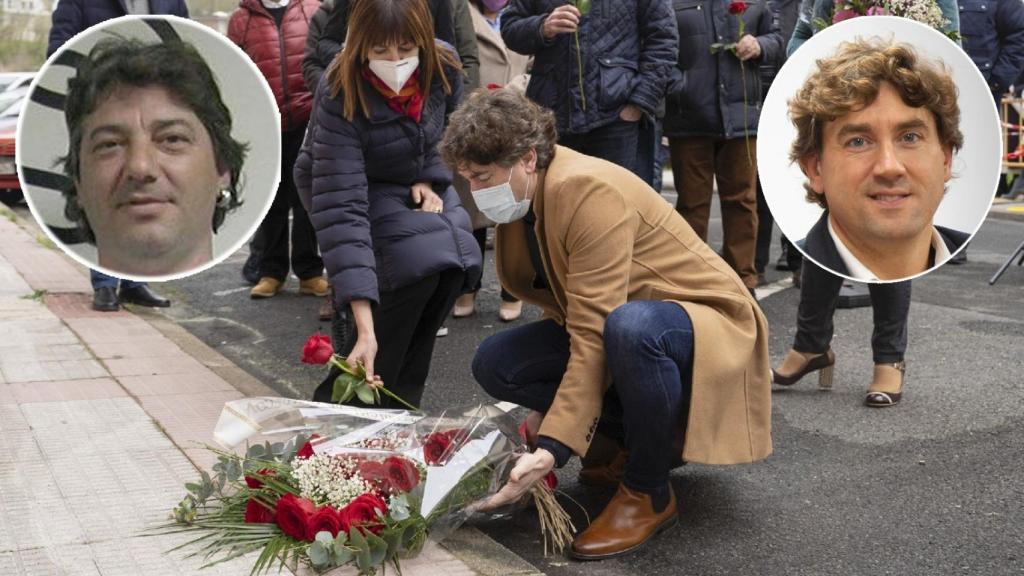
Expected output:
(101, 415)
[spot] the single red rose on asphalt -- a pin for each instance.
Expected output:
(318, 349)
(293, 515)
(254, 481)
(307, 449)
(375, 474)
(256, 513)
(402, 474)
(736, 8)
(326, 519)
(435, 447)
(363, 512)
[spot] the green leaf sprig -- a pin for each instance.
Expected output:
(352, 382)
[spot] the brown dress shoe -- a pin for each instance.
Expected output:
(626, 523)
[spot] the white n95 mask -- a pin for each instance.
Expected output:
(395, 73)
(499, 203)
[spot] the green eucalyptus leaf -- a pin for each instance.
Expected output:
(319, 555)
(193, 487)
(342, 553)
(378, 549)
(324, 537)
(255, 451)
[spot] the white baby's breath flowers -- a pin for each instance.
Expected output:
(924, 11)
(329, 479)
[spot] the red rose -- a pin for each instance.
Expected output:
(363, 512)
(375, 474)
(457, 436)
(435, 448)
(326, 519)
(736, 8)
(254, 481)
(318, 349)
(256, 513)
(293, 515)
(551, 481)
(307, 449)
(402, 474)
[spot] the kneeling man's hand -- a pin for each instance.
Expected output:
(529, 469)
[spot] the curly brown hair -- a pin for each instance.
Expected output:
(849, 81)
(499, 126)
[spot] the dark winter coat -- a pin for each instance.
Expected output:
(278, 53)
(336, 27)
(627, 49)
(355, 180)
(712, 94)
(993, 36)
(72, 16)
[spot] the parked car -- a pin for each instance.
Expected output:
(15, 80)
(10, 188)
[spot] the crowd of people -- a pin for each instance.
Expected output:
(409, 128)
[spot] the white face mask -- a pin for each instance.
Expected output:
(499, 203)
(395, 73)
(275, 3)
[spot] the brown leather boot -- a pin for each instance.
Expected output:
(625, 524)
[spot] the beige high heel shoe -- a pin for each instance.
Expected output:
(824, 362)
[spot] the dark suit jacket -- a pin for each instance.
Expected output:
(72, 16)
(819, 245)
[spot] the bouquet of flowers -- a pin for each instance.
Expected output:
(926, 12)
(328, 486)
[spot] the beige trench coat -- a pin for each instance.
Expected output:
(607, 238)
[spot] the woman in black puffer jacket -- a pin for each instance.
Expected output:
(396, 242)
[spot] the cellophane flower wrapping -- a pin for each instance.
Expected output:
(329, 486)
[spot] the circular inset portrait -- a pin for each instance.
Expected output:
(149, 148)
(866, 158)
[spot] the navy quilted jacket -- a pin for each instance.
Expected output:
(72, 16)
(355, 180)
(627, 49)
(712, 94)
(993, 36)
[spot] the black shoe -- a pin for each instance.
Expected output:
(143, 296)
(783, 262)
(251, 268)
(104, 299)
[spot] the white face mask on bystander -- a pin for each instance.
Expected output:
(394, 73)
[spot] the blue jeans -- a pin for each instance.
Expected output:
(649, 351)
(100, 280)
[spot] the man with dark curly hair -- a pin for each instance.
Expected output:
(876, 131)
(154, 166)
(650, 350)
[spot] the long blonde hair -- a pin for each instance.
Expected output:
(381, 22)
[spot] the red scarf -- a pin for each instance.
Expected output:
(409, 101)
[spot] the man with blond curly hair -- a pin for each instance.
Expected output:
(876, 131)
